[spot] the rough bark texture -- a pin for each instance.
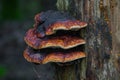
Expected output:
(73, 71)
(103, 40)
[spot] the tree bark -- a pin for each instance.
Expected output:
(102, 37)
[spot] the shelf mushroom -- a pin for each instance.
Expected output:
(54, 38)
(47, 23)
(36, 56)
(64, 42)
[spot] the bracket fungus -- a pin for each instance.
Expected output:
(55, 37)
(64, 42)
(43, 56)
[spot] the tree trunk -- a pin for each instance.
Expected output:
(103, 40)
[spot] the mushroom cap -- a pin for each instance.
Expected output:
(52, 16)
(60, 25)
(43, 40)
(47, 23)
(64, 42)
(65, 25)
(42, 58)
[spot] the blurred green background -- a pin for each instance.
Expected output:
(16, 17)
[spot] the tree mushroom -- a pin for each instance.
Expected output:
(65, 25)
(54, 38)
(64, 42)
(48, 22)
(43, 56)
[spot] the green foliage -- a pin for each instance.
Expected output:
(19, 9)
(3, 71)
(10, 9)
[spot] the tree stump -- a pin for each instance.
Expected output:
(102, 36)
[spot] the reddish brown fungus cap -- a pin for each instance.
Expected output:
(37, 20)
(61, 25)
(64, 42)
(54, 38)
(42, 58)
(65, 25)
(51, 21)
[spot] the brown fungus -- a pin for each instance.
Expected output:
(64, 42)
(65, 25)
(50, 21)
(38, 56)
(54, 38)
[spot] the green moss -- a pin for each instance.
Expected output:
(62, 5)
